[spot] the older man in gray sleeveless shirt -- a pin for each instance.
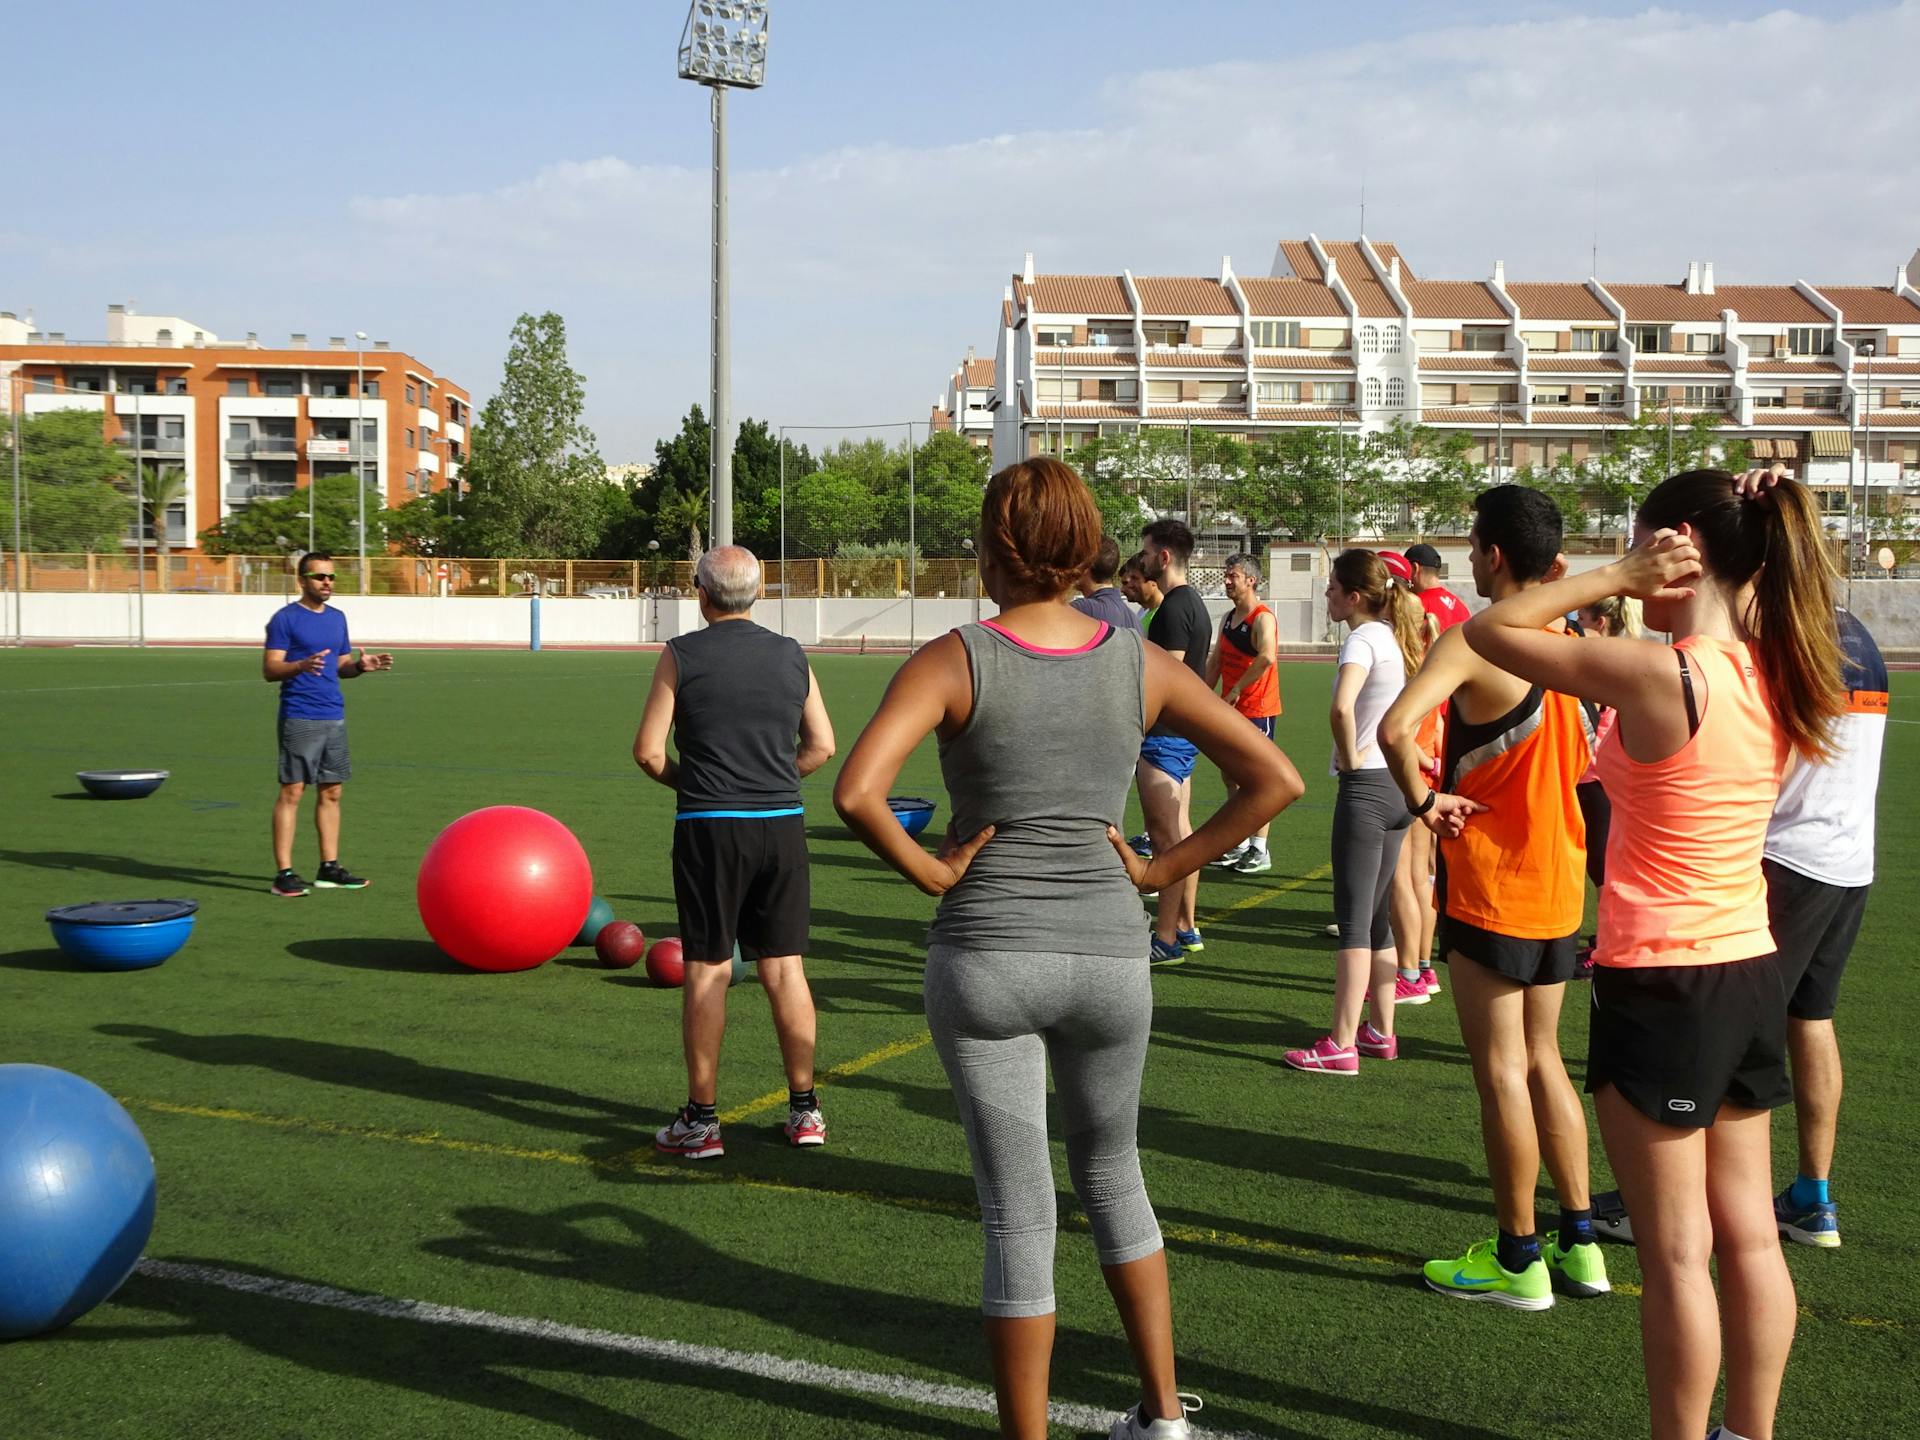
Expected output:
(735, 696)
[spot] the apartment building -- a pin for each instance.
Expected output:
(1345, 333)
(966, 405)
(245, 422)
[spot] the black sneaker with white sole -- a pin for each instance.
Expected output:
(334, 876)
(288, 885)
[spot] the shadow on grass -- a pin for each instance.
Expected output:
(616, 1126)
(468, 1366)
(44, 960)
(606, 1245)
(411, 957)
(94, 863)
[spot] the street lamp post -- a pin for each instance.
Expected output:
(1867, 348)
(359, 440)
(723, 46)
(140, 519)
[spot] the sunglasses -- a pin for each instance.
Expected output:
(316, 575)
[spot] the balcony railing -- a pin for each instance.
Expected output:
(262, 447)
(154, 444)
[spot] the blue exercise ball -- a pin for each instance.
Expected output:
(76, 1198)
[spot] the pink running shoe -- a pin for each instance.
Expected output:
(1430, 978)
(1324, 1057)
(1375, 1046)
(806, 1127)
(1409, 992)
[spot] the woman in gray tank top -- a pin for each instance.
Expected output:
(1038, 951)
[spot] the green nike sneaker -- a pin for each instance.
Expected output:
(1478, 1275)
(1580, 1272)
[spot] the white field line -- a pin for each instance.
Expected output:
(678, 1352)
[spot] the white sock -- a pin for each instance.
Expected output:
(1723, 1433)
(1259, 845)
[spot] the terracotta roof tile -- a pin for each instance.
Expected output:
(980, 374)
(1086, 412)
(1901, 419)
(1888, 367)
(1086, 355)
(1482, 363)
(1300, 299)
(1007, 320)
(1305, 414)
(1195, 412)
(1796, 367)
(1678, 365)
(1756, 304)
(1588, 415)
(1196, 359)
(1452, 415)
(1556, 300)
(1871, 305)
(1389, 252)
(1369, 295)
(1300, 256)
(1183, 295)
(941, 419)
(1451, 299)
(1102, 295)
(1330, 361)
(1818, 419)
(1556, 365)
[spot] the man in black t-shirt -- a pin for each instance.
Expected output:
(735, 697)
(1182, 627)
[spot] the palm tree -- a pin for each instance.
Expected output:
(158, 492)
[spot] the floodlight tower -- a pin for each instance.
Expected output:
(722, 46)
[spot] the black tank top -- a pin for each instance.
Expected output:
(736, 717)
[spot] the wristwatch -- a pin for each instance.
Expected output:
(1425, 805)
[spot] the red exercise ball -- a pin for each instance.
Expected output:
(620, 945)
(666, 965)
(505, 888)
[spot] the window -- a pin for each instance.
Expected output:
(1371, 392)
(1325, 339)
(373, 389)
(1333, 392)
(1605, 395)
(369, 431)
(1110, 332)
(1300, 560)
(1703, 344)
(1165, 332)
(1649, 338)
(1431, 394)
(1591, 339)
(1121, 391)
(1491, 394)
(1653, 395)
(1705, 397)
(1369, 340)
(1277, 334)
(87, 384)
(1432, 340)
(1552, 395)
(1390, 340)
(1483, 337)
(1822, 397)
(239, 387)
(43, 385)
(1761, 346)
(1054, 336)
(1052, 391)
(1219, 391)
(1278, 392)
(176, 385)
(1809, 340)
(240, 430)
(1770, 399)
(1541, 339)
(410, 396)
(333, 387)
(1396, 393)
(408, 432)
(1163, 390)
(280, 385)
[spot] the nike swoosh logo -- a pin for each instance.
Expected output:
(1467, 1282)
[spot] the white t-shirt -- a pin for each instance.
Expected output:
(1823, 822)
(1371, 645)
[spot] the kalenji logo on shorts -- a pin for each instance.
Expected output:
(1683, 1106)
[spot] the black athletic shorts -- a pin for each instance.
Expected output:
(1815, 925)
(1678, 1040)
(742, 881)
(1527, 962)
(313, 752)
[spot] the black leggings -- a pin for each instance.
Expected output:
(1370, 821)
(1597, 810)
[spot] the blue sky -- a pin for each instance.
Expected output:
(426, 173)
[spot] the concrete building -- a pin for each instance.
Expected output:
(244, 421)
(966, 405)
(1344, 333)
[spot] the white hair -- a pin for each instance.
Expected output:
(1246, 565)
(730, 576)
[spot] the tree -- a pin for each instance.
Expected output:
(828, 509)
(1303, 484)
(950, 480)
(534, 470)
(71, 480)
(257, 529)
(154, 492)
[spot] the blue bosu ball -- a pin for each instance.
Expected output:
(911, 811)
(121, 784)
(122, 934)
(76, 1198)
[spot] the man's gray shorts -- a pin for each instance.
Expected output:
(313, 752)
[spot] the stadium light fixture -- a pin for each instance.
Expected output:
(723, 46)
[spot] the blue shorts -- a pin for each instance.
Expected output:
(1170, 754)
(1263, 723)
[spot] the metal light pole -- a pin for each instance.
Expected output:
(140, 520)
(781, 441)
(359, 439)
(913, 548)
(1867, 348)
(723, 46)
(19, 558)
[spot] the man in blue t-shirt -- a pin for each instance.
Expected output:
(307, 656)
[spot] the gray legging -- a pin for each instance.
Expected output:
(998, 1017)
(1370, 821)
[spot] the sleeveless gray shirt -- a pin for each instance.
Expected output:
(1047, 758)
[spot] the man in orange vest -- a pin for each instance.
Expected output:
(1511, 894)
(1243, 664)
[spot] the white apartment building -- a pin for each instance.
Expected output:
(966, 405)
(1344, 333)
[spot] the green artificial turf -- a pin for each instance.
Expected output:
(330, 1101)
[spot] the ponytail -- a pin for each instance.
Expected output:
(1775, 541)
(1408, 617)
(1622, 614)
(1365, 574)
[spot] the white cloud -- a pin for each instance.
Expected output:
(1779, 147)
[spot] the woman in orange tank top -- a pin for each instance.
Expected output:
(1687, 1054)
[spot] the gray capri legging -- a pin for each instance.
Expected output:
(998, 1017)
(1370, 821)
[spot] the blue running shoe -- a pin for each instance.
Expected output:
(1160, 954)
(1141, 845)
(1817, 1225)
(1190, 941)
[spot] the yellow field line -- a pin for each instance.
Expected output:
(1260, 897)
(663, 1168)
(892, 1051)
